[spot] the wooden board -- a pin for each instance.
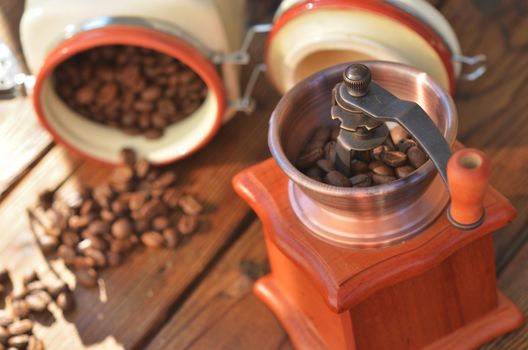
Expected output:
(181, 297)
(224, 299)
(514, 282)
(151, 282)
(22, 140)
(492, 110)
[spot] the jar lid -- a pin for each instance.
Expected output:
(427, 40)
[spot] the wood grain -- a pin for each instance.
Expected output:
(23, 141)
(153, 287)
(492, 110)
(223, 313)
(514, 283)
(150, 283)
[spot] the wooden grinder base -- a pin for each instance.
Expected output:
(436, 291)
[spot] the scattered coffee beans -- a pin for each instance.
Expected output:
(32, 293)
(95, 228)
(398, 157)
(137, 90)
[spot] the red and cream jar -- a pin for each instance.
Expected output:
(197, 33)
(309, 35)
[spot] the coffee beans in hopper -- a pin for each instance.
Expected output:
(398, 157)
(140, 205)
(136, 90)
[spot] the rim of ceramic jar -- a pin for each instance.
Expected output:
(140, 37)
(278, 153)
(434, 39)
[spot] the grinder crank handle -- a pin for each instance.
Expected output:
(384, 106)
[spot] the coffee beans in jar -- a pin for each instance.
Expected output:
(398, 157)
(136, 90)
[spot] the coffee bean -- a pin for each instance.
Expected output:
(404, 145)
(416, 156)
(65, 301)
(315, 173)
(119, 207)
(361, 180)
(308, 159)
(321, 134)
(325, 165)
(85, 95)
(78, 222)
(330, 151)
(107, 215)
(128, 155)
(335, 178)
(23, 326)
(394, 158)
(70, 238)
(152, 239)
(6, 318)
(171, 197)
(171, 237)
(97, 255)
(86, 277)
(81, 262)
(98, 227)
(142, 168)
(403, 171)
(398, 134)
(160, 223)
(187, 224)
(107, 93)
(358, 167)
(19, 292)
(137, 200)
(20, 308)
(378, 151)
(65, 252)
(151, 93)
(122, 228)
(380, 168)
(122, 174)
(189, 205)
(382, 179)
(53, 285)
(19, 341)
(35, 285)
(38, 300)
(165, 180)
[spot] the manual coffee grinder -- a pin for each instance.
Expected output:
(404, 265)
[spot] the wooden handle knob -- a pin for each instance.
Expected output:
(468, 173)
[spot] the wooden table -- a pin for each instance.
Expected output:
(199, 295)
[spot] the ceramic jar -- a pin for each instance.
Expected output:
(201, 34)
(309, 35)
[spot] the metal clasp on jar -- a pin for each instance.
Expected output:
(13, 82)
(477, 61)
(246, 102)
